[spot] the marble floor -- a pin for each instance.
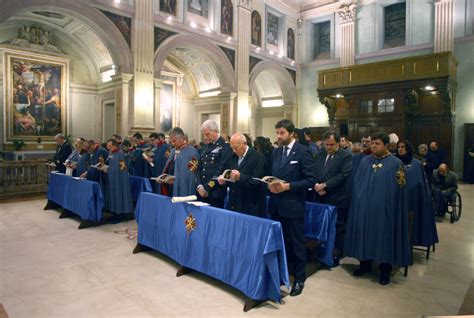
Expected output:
(48, 268)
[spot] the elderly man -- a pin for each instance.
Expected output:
(246, 194)
(333, 166)
(73, 159)
(434, 158)
(393, 141)
(443, 186)
(214, 156)
(182, 163)
(63, 151)
(377, 227)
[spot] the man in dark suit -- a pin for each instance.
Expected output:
(293, 163)
(62, 152)
(214, 156)
(245, 194)
(333, 166)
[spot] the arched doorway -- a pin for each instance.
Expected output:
(202, 81)
(273, 96)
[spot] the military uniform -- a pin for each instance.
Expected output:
(213, 158)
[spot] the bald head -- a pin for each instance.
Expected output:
(443, 169)
(238, 143)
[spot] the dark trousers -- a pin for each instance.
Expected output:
(340, 230)
(441, 200)
(293, 233)
(215, 202)
(385, 268)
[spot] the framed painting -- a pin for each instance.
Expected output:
(167, 106)
(36, 91)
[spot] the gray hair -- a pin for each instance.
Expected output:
(177, 132)
(210, 124)
(59, 136)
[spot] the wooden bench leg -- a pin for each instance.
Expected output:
(50, 205)
(252, 303)
(66, 214)
(140, 248)
(183, 271)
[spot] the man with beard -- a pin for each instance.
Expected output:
(293, 163)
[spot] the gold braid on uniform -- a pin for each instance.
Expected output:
(122, 164)
(400, 175)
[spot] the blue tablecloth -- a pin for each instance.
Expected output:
(320, 224)
(139, 185)
(243, 251)
(82, 197)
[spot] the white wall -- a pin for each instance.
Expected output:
(83, 112)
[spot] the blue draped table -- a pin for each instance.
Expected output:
(320, 225)
(139, 185)
(243, 251)
(82, 197)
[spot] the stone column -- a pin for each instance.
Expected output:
(243, 108)
(158, 85)
(122, 101)
(143, 63)
(347, 17)
(443, 37)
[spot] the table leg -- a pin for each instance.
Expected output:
(66, 214)
(140, 248)
(183, 271)
(251, 303)
(50, 205)
(88, 223)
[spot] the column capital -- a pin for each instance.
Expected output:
(347, 13)
(124, 78)
(442, 1)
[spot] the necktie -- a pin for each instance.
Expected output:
(329, 158)
(240, 160)
(285, 151)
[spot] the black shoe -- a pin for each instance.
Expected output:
(297, 289)
(384, 279)
(335, 261)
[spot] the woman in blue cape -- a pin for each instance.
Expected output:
(424, 231)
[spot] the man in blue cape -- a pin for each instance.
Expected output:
(184, 160)
(377, 228)
(424, 231)
(161, 151)
(96, 154)
(118, 194)
(140, 163)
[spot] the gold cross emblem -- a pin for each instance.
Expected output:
(190, 223)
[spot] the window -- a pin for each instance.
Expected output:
(324, 37)
(395, 16)
(365, 106)
(322, 40)
(386, 105)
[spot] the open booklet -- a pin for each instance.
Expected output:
(269, 179)
(225, 176)
(71, 164)
(50, 164)
(148, 154)
(164, 178)
(101, 167)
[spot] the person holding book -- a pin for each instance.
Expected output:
(185, 161)
(161, 152)
(245, 164)
(97, 155)
(62, 152)
(214, 156)
(293, 163)
(140, 164)
(73, 159)
(118, 194)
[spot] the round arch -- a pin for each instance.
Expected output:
(221, 63)
(281, 76)
(106, 30)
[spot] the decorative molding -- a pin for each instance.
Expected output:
(395, 50)
(36, 38)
